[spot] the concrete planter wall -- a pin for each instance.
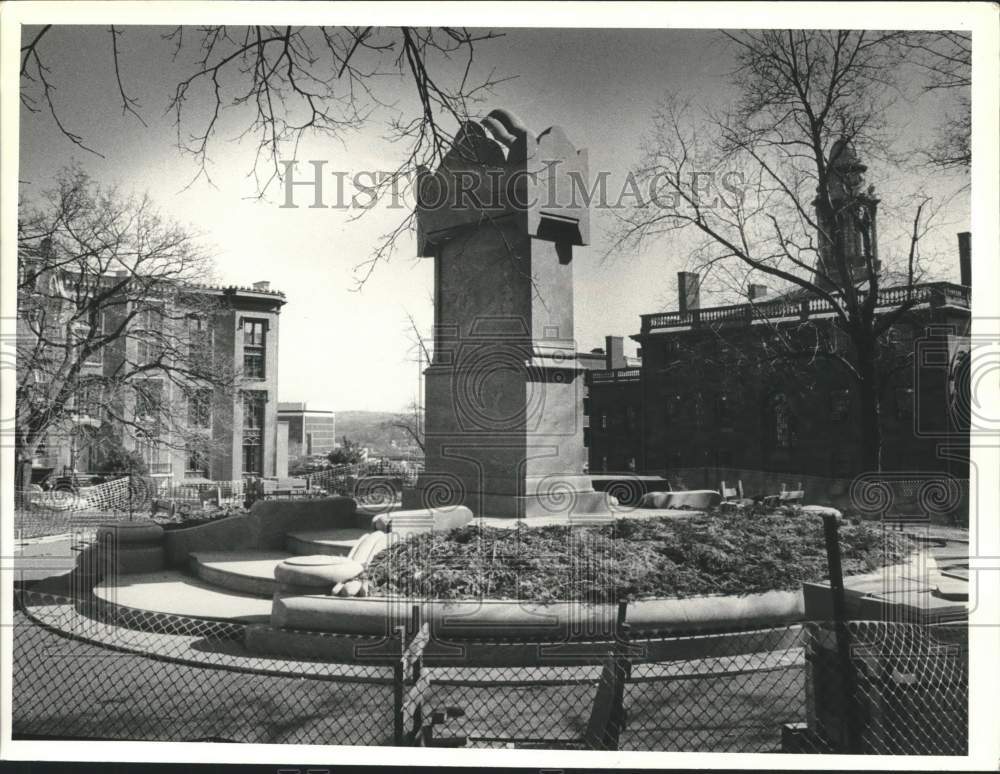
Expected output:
(121, 548)
(264, 528)
(358, 648)
(559, 622)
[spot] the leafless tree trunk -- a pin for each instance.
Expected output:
(802, 94)
(109, 321)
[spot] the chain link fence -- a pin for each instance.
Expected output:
(89, 670)
(86, 670)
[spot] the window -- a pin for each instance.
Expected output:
(254, 402)
(200, 408)
(199, 339)
(254, 334)
(604, 422)
(88, 398)
(630, 416)
(673, 407)
(82, 334)
(780, 422)
(840, 405)
(586, 437)
(197, 462)
(148, 332)
(698, 409)
(148, 400)
(723, 411)
(151, 450)
(901, 337)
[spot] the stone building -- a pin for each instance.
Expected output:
(211, 436)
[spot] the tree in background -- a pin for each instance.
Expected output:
(110, 322)
(811, 103)
(348, 453)
(946, 57)
(276, 85)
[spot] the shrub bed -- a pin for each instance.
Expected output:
(630, 559)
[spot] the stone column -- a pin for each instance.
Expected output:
(503, 429)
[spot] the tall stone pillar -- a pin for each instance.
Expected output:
(503, 425)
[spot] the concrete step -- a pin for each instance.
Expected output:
(331, 542)
(245, 572)
(176, 593)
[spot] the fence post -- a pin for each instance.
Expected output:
(623, 670)
(398, 690)
(830, 531)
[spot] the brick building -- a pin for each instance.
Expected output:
(717, 390)
(695, 401)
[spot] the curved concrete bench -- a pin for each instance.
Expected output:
(265, 528)
(556, 622)
(314, 574)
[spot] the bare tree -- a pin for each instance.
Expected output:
(946, 58)
(279, 84)
(790, 203)
(412, 421)
(112, 323)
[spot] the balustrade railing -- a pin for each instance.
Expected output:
(617, 375)
(934, 293)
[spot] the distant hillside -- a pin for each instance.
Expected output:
(373, 429)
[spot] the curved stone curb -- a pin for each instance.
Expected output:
(558, 622)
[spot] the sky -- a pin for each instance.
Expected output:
(342, 349)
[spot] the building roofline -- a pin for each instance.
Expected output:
(801, 306)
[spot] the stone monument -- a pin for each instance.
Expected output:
(503, 427)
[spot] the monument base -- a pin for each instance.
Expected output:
(567, 496)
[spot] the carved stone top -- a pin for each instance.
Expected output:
(496, 168)
(847, 172)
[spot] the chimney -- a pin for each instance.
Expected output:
(614, 352)
(687, 291)
(965, 258)
(757, 291)
(263, 286)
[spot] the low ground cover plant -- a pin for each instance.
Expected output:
(630, 559)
